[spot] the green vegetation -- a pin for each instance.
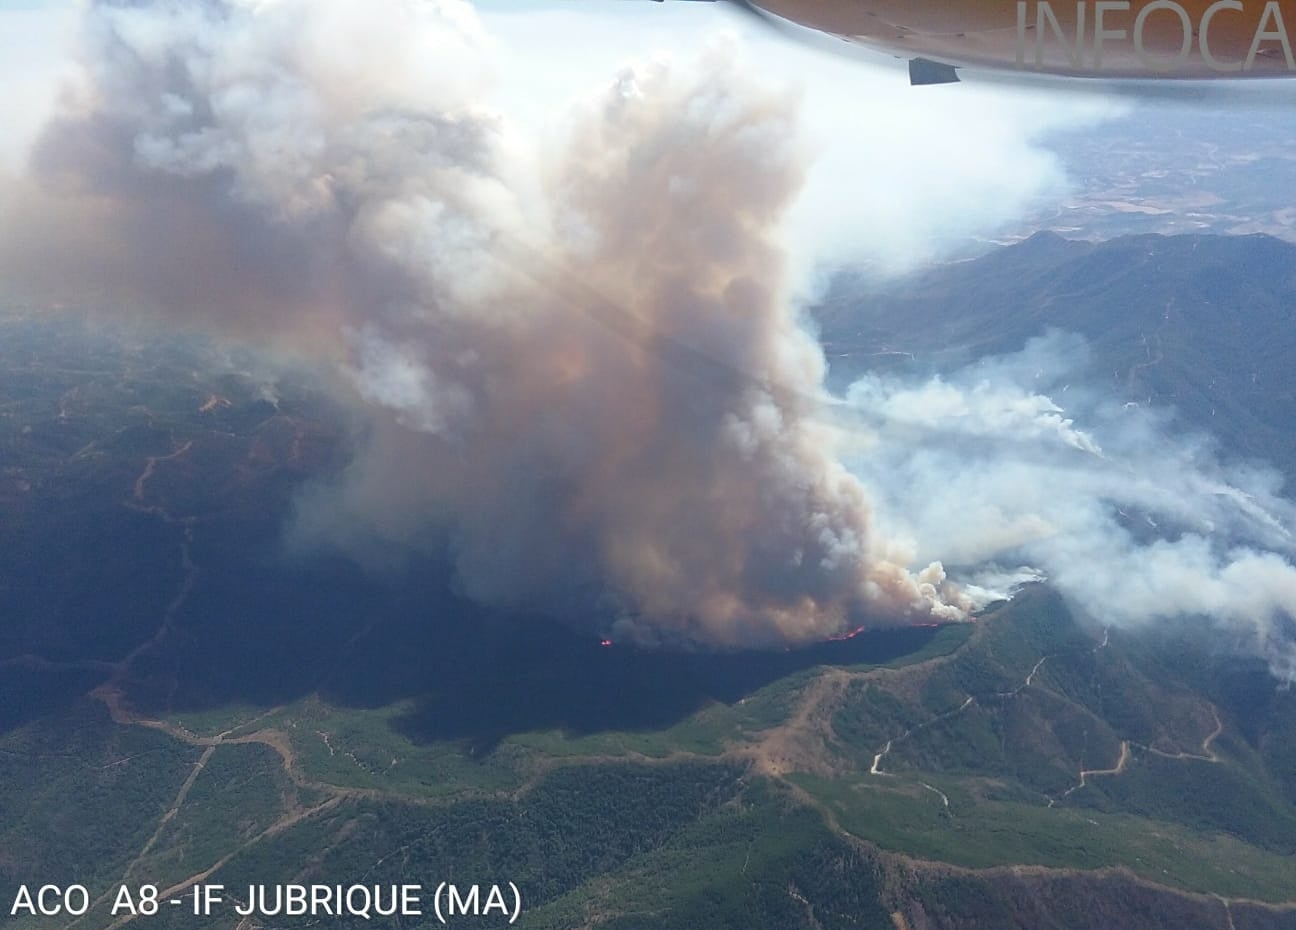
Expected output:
(364, 749)
(80, 797)
(974, 832)
(754, 864)
(240, 792)
(358, 731)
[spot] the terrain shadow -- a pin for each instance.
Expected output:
(147, 483)
(267, 635)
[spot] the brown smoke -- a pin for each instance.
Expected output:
(581, 364)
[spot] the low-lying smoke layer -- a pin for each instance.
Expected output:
(579, 363)
(1133, 516)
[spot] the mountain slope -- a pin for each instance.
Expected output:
(181, 703)
(1205, 325)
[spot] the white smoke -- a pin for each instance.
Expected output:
(1133, 517)
(574, 349)
(582, 366)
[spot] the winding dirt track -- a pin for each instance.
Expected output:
(799, 744)
(1207, 754)
(1086, 774)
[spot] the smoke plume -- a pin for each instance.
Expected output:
(1133, 516)
(579, 362)
(574, 353)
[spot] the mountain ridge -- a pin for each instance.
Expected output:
(236, 717)
(1203, 324)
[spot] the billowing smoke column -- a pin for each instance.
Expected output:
(579, 364)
